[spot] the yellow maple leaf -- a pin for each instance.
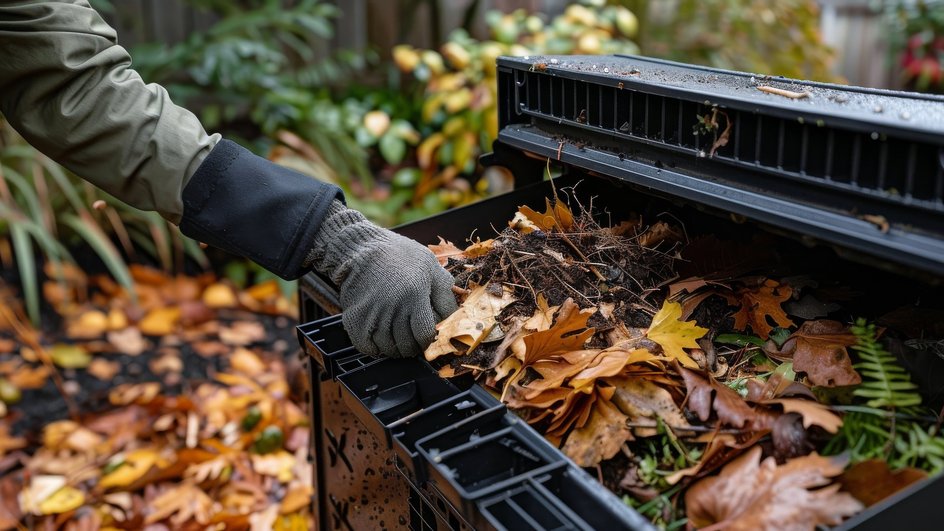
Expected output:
(674, 335)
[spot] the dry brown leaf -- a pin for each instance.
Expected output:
(297, 498)
(9, 442)
(444, 250)
(872, 481)
(705, 395)
(148, 275)
(569, 333)
(813, 413)
(276, 464)
(160, 321)
(103, 369)
(818, 349)
(29, 377)
(10, 487)
(195, 313)
(556, 215)
(219, 295)
(660, 232)
(674, 335)
(479, 248)
(140, 394)
(644, 401)
(7, 346)
(129, 341)
(168, 362)
(246, 362)
(475, 317)
(760, 303)
(601, 437)
(755, 495)
(242, 333)
(181, 504)
(88, 325)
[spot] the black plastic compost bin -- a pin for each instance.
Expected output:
(852, 177)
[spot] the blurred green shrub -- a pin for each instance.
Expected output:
(263, 67)
(46, 212)
(777, 38)
(456, 85)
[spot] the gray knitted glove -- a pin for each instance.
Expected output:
(393, 290)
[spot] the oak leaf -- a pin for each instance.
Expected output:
(818, 349)
(756, 495)
(475, 317)
(674, 335)
(760, 303)
(569, 333)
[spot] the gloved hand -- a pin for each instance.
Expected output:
(393, 290)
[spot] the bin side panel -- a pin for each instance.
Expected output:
(362, 488)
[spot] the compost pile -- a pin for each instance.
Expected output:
(702, 391)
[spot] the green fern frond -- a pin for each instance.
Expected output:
(920, 447)
(885, 383)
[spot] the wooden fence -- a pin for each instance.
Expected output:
(853, 27)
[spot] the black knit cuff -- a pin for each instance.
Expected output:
(251, 207)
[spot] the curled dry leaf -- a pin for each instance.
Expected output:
(705, 394)
(88, 325)
(756, 495)
(813, 413)
(674, 335)
(556, 215)
(600, 438)
(132, 467)
(475, 317)
(818, 348)
(644, 401)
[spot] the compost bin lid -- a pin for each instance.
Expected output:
(859, 168)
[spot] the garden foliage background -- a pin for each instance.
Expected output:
(393, 101)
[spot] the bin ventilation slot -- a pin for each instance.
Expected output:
(876, 163)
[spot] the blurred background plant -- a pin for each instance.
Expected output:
(48, 217)
(777, 38)
(918, 44)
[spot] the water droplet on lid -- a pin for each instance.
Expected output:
(606, 70)
(905, 115)
(874, 135)
(554, 61)
(877, 109)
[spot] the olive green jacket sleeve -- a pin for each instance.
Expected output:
(69, 89)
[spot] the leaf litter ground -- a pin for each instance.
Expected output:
(174, 410)
(699, 378)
